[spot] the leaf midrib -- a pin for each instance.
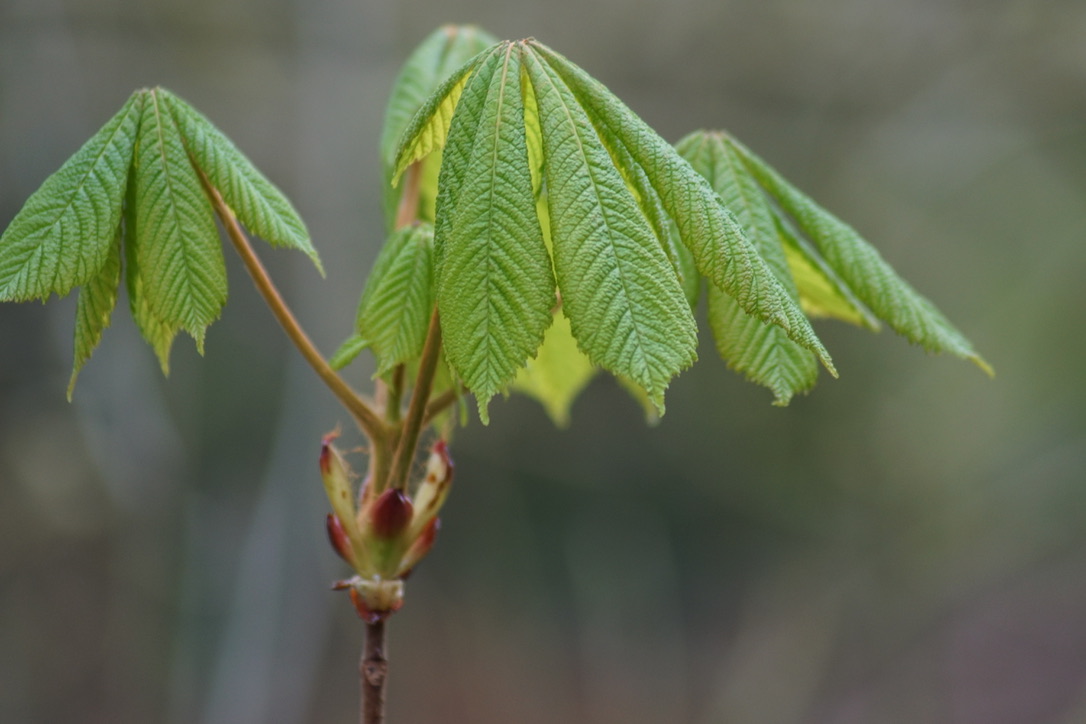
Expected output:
(490, 212)
(68, 205)
(627, 313)
(174, 212)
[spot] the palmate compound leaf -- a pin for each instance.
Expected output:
(132, 194)
(612, 196)
(762, 352)
(435, 59)
(862, 268)
(719, 247)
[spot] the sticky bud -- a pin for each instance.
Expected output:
(336, 476)
(337, 536)
(433, 489)
(390, 514)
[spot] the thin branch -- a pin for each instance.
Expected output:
(441, 403)
(367, 419)
(416, 411)
(373, 674)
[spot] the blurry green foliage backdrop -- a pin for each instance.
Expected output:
(906, 544)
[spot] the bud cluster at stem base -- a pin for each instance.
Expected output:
(382, 534)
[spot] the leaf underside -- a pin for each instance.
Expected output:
(130, 204)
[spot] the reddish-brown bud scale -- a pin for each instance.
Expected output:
(420, 547)
(337, 536)
(390, 514)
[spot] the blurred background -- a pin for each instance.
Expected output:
(905, 544)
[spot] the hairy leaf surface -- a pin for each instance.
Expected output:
(619, 290)
(495, 288)
(255, 200)
(64, 234)
(706, 227)
(155, 331)
(177, 247)
(861, 266)
(396, 305)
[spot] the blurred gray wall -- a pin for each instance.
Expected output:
(906, 544)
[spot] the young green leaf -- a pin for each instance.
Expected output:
(97, 298)
(258, 204)
(862, 267)
(348, 350)
(761, 352)
(619, 290)
(439, 55)
(430, 126)
(495, 288)
(155, 331)
(177, 247)
(396, 305)
(558, 372)
(821, 291)
(706, 227)
(64, 234)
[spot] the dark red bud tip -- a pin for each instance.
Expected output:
(326, 451)
(337, 536)
(391, 513)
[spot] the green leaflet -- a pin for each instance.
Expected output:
(706, 227)
(860, 266)
(619, 290)
(348, 350)
(557, 374)
(155, 331)
(258, 204)
(763, 353)
(178, 249)
(63, 235)
(494, 284)
(821, 292)
(430, 126)
(97, 298)
(396, 305)
(438, 56)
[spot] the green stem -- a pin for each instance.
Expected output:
(416, 411)
(367, 419)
